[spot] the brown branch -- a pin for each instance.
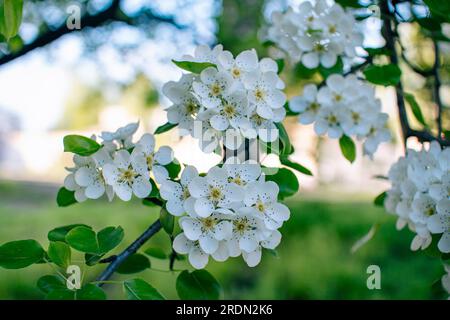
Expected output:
(389, 34)
(112, 13)
(436, 87)
(131, 249)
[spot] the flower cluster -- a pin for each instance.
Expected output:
(420, 195)
(230, 211)
(315, 35)
(345, 105)
(231, 99)
(120, 167)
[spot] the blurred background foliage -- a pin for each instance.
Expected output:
(141, 36)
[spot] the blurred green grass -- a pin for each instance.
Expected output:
(313, 262)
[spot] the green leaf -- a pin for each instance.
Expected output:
(156, 253)
(133, 264)
(415, 108)
(286, 181)
(280, 64)
(11, 14)
(286, 147)
(439, 8)
(174, 169)
(165, 127)
(109, 238)
(86, 240)
(90, 292)
(294, 165)
(303, 72)
(80, 145)
(60, 294)
(194, 67)
(167, 221)
(83, 239)
(198, 285)
(337, 68)
(20, 254)
(49, 283)
(383, 51)
(87, 292)
(386, 75)
(350, 3)
(65, 197)
(59, 234)
(379, 199)
(348, 148)
(92, 259)
(59, 253)
(138, 289)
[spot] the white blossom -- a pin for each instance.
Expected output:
(344, 105)
(241, 94)
(420, 195)
(315, 34)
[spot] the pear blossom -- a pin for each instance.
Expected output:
(196, 256)
(145, 155)
(316, 34)
(177, 194)
(213, 191)
(344, 105)
(127, 176)
(213, 86)
(241, 94)
(420, 196)
(208, 231)
(262, 198)
(123, 135)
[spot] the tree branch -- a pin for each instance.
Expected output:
(436, 87)
(389, 35)
(131, 249)
(112, 13)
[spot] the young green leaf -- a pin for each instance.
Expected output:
(65, 197)
(337, 68)
(157, 253)
(198, 285)
(165, 127)
(350, 3)
(348, 148)
(286, 147)
(387, 75)
(20, 254)
(60, 294)
(83, 239)
(173, 168)
(167, 221)
(59, 253)
(415, 108)
(138, 289)
(194, 67)
(294, 165)
(59, 234)
(12, 17)
(133, 264)
(90, 292)
(280, 64)
(109, 238)
(286, 181)
(80, 145)
(86, 240)
(379, 200)
(50, 282)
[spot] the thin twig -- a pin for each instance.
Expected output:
(436, 87)
(131, 249)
